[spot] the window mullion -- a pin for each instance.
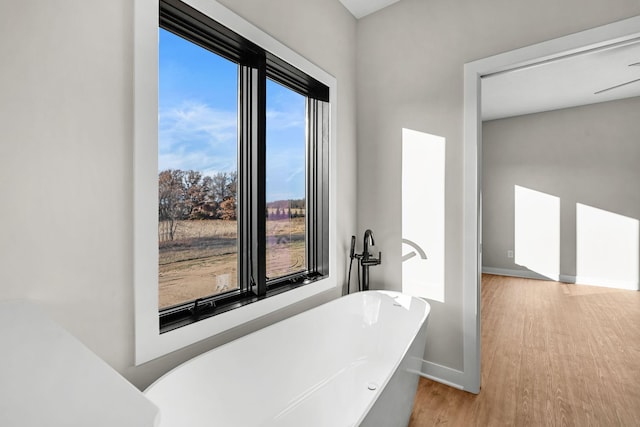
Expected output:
(311, 181)
(245, 265)
(259, 208)
(253, 173)
(317, 185)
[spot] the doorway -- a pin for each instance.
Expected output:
(597, 38)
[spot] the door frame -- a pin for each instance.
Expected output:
(596, 38)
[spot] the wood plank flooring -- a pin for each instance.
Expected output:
(553, 354)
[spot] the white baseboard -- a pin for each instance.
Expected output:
(602, 282)
(577, 280)
(525, 274)
(442, 374)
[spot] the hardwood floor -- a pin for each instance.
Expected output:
(553, 354)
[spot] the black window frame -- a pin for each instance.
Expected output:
(256, 65)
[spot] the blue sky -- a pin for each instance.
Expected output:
(197, 119)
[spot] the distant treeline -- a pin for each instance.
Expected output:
(284, 209)
(188, 195)
(287, 204)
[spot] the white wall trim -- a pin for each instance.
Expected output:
(602, 282)
(472, 229)
(472, 214)
(525, 274)
(443, 374)
(149, 344)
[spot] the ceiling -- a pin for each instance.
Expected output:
(562, 83)
(597, 75)
(360, 8)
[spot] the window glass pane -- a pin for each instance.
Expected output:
(286, 181)
(197, 172)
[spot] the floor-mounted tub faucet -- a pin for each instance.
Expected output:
(367, 260)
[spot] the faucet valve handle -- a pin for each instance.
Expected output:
(371, 261)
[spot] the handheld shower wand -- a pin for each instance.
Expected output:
(352, 255)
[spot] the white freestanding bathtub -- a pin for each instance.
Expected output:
(349, 362)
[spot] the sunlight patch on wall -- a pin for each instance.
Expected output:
(607, 248)
(537, 232)
(423, 174)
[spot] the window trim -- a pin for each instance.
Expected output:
(149, 343)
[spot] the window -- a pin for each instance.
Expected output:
(286, 179)
(197, 172)
(243, 140)
(263, 67)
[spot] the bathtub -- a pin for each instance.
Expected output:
(350, 362)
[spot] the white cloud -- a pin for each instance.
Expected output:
(281, 120)
(197, 136)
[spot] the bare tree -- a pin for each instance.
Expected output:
(220, 187)
(232, 185)
(209, 206)
(190, 195)
(170, 201)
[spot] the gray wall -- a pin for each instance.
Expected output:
(66, 158)
(410, 74)
(586, 155)
(66, 151)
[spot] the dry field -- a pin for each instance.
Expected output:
(202, 258)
